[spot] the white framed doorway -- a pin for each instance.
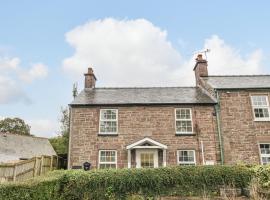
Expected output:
(146, 158)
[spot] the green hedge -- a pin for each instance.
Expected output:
(262, 174)
(119, 184)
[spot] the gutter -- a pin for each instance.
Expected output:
(220, 138)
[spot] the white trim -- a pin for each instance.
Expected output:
(179, 133)
(129, 158)
(106, 150)
(188, 163)
(116, 120)
(148, 140)
(164, 155)
(260, 119)
(263, 155)
(146, 147)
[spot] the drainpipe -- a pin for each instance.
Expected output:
(202, 149)
(217, 109)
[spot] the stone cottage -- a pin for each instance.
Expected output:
(222, 120)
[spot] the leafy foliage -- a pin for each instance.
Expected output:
(263, 176)
(14, 125)
(60, 143)
(123, 183)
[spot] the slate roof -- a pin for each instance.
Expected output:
(13, 147)
(239, 82)
(142, 96)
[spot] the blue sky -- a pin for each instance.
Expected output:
(45, 46)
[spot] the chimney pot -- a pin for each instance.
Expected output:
(90, 79)
(200, 68)
(199, 57)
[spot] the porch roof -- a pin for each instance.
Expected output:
(140, 144)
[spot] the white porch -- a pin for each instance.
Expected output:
(146, 153)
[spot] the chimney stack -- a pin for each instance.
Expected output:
(200, 68)
(90, 79)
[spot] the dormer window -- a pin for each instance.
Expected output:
(108, 121)
(260, 107)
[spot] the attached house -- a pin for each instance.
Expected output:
(223, 120)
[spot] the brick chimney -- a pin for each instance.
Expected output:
(90, 79)
(200, 68)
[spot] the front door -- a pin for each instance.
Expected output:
(146, 158)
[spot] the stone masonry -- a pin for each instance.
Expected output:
(135, 123)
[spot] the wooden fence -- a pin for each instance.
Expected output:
(26, 169)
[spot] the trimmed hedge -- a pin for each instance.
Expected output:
(40, 188)
(121, 183)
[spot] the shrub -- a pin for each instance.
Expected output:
(262, 174)
(40, 188)
(123, 183)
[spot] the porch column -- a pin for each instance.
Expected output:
(129, 158)
(164, 158)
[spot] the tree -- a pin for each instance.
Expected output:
(60, 143)
(14, 125)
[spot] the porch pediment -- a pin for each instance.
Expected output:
(146, 143)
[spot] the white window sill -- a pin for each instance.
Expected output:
(262, 120)
(183, 164)
(184, 133)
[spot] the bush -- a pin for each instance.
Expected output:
(119, 184)
(40, 188)
(262, 174)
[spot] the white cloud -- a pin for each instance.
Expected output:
(137, 53)
(43, 127)
(9, 64)
(225, 59)
(13, 76)
(123, 52)
(11, 92)
(37, 71)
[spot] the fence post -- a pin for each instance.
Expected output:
(41, 165)
(35, 167)
(14, 172)
(51, 166)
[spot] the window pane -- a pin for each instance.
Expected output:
(186, 157)
(108, 126)
(265, 148)
(108, 114)
(265, 153)
(261, 112)
(107, 156)
(259, 100)
(265, 160)
(183, 126)
(147, 160)
(183, 114)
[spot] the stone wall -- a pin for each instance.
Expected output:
(241, 134)
(135, 123)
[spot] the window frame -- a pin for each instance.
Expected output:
(261, 155)
(191, 119)
(101, 120)
(106, 150)
(254, 107)
(185, 162)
